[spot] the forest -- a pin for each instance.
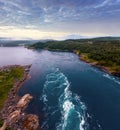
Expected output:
(101, 51)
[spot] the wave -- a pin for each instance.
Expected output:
(73, 111)
(63, 107)
(115, 79)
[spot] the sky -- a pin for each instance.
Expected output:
(59, 19)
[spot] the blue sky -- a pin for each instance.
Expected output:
(59, 19)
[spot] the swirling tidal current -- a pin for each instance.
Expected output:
(99, 91)
(61, 103)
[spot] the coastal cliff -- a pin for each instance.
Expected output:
(13, 112)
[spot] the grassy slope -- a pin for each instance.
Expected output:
(7, 80)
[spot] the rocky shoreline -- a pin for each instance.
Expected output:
(12, 112)
(103, 68)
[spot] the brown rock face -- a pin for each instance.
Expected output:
(31, 122)
(13, 117)
(116, 74)
(13, 113)
(23, 102)
(18, 120)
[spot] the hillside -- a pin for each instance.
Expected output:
(104, 51)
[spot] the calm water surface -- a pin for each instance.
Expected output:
(68, 93)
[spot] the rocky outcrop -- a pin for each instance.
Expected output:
(20, 120)
(116, 74)
(23, 102)
(13, 113)
(31, 122)
(10, 103)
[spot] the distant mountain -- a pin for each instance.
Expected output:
(11, 42)
(106, 38)
(45, 40)
(73, 36)
(96, 39)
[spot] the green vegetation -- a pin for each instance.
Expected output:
(7, 79)
(1, 123)
(102, 51)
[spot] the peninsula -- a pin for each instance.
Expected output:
(12, 114)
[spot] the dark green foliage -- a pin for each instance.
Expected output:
(106, 51)
(1, 123)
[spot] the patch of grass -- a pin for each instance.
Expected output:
(85, 57)
(7, 80)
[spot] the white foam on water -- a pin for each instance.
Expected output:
(67, 93)
(69, 104)
(54, 112)
(45, 98)
(43, 124)
(112, 78)
(82, 123)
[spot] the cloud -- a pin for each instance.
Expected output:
(44, 11)
(104, 3)
(68, 16)
(14, 32)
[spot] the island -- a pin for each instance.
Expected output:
(102, 52)
(12, 107)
